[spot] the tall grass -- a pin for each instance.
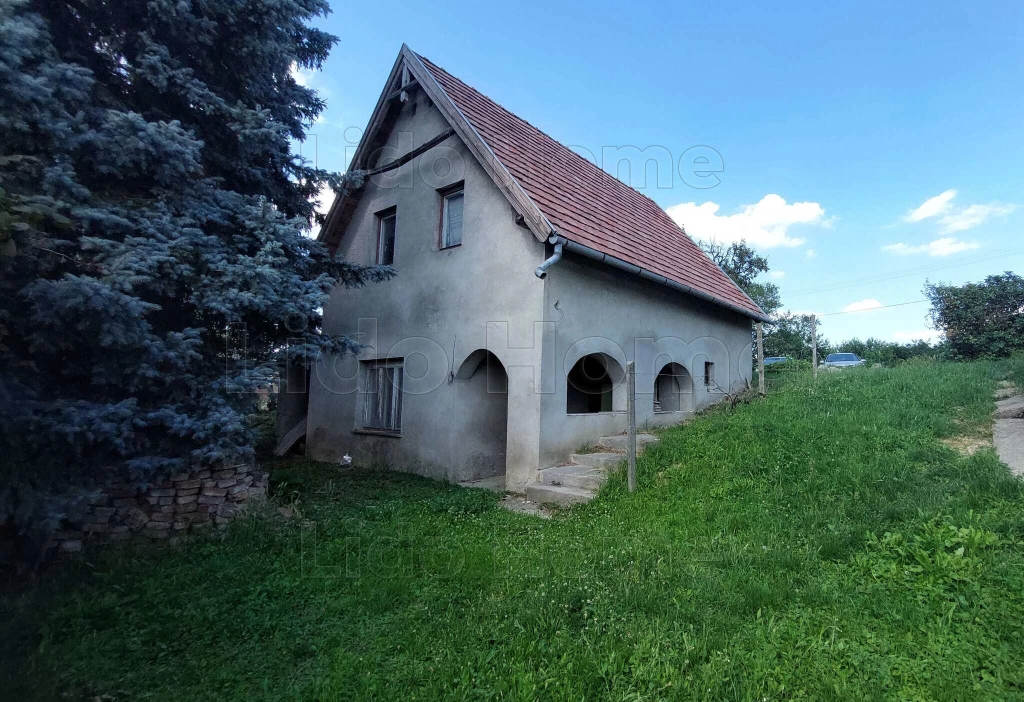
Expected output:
(821, 543)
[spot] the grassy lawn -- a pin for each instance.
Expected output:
(822, 543)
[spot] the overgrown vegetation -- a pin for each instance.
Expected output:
(790, 335)
(822, 543)
(983, 319)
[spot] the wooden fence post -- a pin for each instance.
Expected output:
(631, 414)
(760, 359)
(814, 344)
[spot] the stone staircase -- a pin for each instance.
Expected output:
(578, 480)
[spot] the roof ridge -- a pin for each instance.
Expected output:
(585, 203)
(594, 166)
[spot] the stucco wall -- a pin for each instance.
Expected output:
(435, 314)
(445, 306)
(597, 309)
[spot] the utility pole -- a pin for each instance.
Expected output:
(631, 414)
(814, 344)
(760, 360)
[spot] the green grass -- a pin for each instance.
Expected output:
(821, 543)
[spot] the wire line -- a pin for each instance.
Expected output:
(872, 309)
(852, 282)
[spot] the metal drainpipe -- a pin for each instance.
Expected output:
(542, 269)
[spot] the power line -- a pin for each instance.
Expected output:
(872, 309)
(852, 282)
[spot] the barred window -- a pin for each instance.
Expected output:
(382, 406)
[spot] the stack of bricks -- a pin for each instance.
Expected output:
(188, 502)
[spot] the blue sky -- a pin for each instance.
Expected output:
(865, 146)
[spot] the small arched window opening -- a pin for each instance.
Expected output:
(672, 389)
(591, 385)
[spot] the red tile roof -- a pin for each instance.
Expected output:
(586, 204)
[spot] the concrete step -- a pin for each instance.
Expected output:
(1008, 436)
(618, 441)
(1010, 408)
(557, 494)
(583, 477)
(604, 461)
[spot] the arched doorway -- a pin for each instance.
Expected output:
(481, 417)
(593, 385)
(673, 389)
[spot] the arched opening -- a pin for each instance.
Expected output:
(481, 416)
(591, 385)
(673, 389)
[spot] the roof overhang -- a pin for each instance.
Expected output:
(409, 73)
(618, 263)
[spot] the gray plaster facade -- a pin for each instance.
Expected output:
(487, 346)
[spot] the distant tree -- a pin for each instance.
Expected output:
(743, 264)
(790, 335)
(890, 353)
(155, 263)
(980, 319)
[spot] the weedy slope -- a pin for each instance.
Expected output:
(821, 543)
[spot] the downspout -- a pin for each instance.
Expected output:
(542, 269)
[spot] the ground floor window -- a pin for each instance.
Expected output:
(590, 385)
(709, 373)
(382, 402)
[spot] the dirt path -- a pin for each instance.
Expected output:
(1008, 434)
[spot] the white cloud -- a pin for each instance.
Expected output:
(955, 219)
(322, 205)
(932, 207)
(945, 246)
(764, 224)
(811, 253)
(302, 76)
(863, 305)
(777, 274)
(906, 337)
(973, 216)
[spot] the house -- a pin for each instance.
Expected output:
(527, 279)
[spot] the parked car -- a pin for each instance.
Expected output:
(835, 361)
(771, 360)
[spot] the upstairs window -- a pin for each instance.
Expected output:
(386, 221)
(451, 217)
(382, 406)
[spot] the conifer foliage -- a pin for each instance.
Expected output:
(155, 259)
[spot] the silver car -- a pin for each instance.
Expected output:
(835, 361)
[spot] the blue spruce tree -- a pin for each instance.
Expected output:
(152, 213)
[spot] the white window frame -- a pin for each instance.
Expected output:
(383, 394)
(383, 217)
(446, 242)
